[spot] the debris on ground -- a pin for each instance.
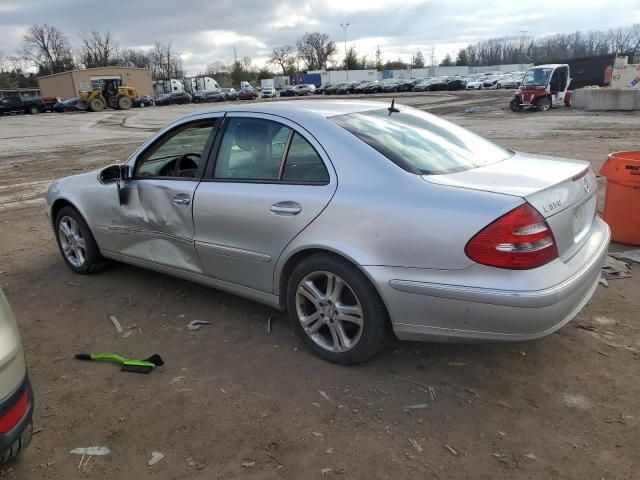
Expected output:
(326, 471)
(317, 434)
(324, 395)
(269, 320)
(416, 407)
(330, 450)
(615, 269)
(452, 450)
(195, 324)
(628, 256)
(471, 110)
(116, 324)
(36, 431)
(248, 463)
(416, 445)
(530, 456)
(93, 451)
(473, 392)
(155, 458)
(603, 281)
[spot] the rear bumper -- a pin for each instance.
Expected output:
(16, 439)
(423, 308)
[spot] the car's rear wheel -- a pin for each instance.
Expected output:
(33, 110)
(76, 243)
(335, 310)
(543, 104)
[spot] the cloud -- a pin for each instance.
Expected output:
(206, 30)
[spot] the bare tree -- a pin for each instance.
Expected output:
(165, 61)
(134, 57)
(99, 49)
(283, 57)
(47, 48)
(315, 49)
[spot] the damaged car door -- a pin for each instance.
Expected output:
(154, 222)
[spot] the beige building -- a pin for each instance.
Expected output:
(69, 84)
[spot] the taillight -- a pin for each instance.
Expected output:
(14, 414)
(519, 240)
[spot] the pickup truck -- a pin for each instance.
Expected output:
(19, 105)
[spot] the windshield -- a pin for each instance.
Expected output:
(537, 76)
(421, 143)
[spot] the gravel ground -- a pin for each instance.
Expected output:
(234, 401)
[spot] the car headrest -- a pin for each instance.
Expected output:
(252, 135)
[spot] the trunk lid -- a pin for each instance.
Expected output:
(562, 190)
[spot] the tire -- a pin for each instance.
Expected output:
(515, 106)
(16, 447)
(33, 110)
(543, 104)
(96, 105)
(124, 103)
(91, 260)
(370, 331)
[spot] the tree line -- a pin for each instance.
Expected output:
(548, 48)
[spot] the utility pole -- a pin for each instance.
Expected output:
(432, 73)
(522, 58)
(235, 55)
(346, 56)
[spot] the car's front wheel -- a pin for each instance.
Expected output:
(76, 243)
(335, 310)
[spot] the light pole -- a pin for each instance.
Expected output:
(523, 32)
(346, 57)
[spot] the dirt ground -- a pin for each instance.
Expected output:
(234, 401)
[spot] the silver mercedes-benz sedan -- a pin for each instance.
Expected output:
(362, 219)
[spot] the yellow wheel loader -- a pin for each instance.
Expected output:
(112, 95)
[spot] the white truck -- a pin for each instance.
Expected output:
(266, 83)
(200, 84)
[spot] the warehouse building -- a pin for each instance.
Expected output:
(71, 83)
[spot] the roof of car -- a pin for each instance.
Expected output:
(324, 108)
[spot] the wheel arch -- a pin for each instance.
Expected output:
(298, 256)
(58, 204)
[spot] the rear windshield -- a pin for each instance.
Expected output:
(421, 143)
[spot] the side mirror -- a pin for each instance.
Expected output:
(110, 174)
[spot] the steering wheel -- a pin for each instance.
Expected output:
(193, 157)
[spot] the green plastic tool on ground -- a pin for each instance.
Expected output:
(128, 364)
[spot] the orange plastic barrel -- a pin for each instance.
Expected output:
(622, 200)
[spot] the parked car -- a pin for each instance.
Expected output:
(268, 92)
(16, 104)
(68, 105)
(346, 88)
(321, 89)
(351, 258)
(422, 86)
(207, 96)
(172, 98)
(456, 84)
(438, 84)
(230, 93)
(288, 91)
(373, 87)
(16, 406)
(490, 84)
(509, 83)
(389, 86)
(407, 84)
(143, 101)
(330, 89)
(305, 89)
(475, 85)
(247, 94)
(361, 87)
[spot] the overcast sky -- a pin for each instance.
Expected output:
(207, 30)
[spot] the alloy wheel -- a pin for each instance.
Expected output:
(329, 311)
(71, 241)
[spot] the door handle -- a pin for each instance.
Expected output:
(181, 199)
(286, 208)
